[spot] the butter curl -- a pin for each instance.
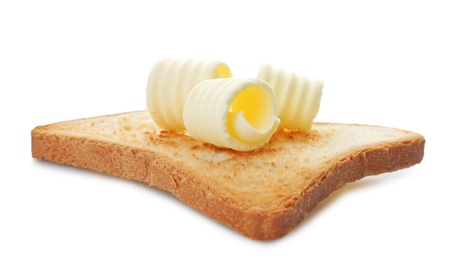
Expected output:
(169, 83)
(298, 97)
(235, 113)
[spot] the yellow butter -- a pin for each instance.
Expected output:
(169, 83)
(298, 97)
(240, 114)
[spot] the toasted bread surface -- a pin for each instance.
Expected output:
(262, 194)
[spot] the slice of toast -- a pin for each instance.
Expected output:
(262, 194)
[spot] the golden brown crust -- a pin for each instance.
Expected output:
(349, 169)
(152, 166)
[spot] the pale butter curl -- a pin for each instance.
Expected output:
(235, 113)
(169, 83)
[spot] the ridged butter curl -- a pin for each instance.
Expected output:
(235, 113)
(169, 83)
(298, 97)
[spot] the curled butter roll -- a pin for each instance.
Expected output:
(298, 97)
(169, 83)
(235, 113)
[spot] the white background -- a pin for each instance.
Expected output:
(392, 63)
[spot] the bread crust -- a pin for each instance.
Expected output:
(154, 168)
